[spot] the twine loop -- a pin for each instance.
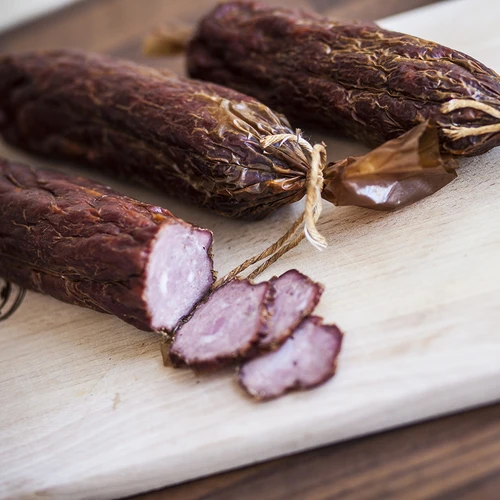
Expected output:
(459, 132)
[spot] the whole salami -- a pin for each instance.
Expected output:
(195, 140)
(358, 78)
(87, 245)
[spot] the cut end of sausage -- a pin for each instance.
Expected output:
(224, 328)
(307, 359)
(179, 273)
(296, 296)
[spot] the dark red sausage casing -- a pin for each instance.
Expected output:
(356, 78)
(85, 244)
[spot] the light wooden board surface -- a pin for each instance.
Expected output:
(16, 12)
(88, 410)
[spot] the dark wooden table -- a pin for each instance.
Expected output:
(454, 458)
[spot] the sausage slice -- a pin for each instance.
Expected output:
(307, 359)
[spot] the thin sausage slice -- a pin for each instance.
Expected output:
(295, 297)
(224, 328)
(307, 359)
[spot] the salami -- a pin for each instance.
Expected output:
(353, 77)
(193, 140)
(307, 359)
(295, 297)
(225, 328)
(85, 244)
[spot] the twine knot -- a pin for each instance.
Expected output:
(315, 158)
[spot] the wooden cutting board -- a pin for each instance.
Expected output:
(88, 410)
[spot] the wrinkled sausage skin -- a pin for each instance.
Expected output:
(85, 244)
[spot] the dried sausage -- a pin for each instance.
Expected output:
(87, 245)
(357, 78)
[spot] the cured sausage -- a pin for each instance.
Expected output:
(240, 322)
(307, 359)
(85, 244)
(225, 328)
(356, 78)
(194, 140)
(240, 319)
(295, 297)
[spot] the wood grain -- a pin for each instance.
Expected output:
(454, 458)
(451, 458)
